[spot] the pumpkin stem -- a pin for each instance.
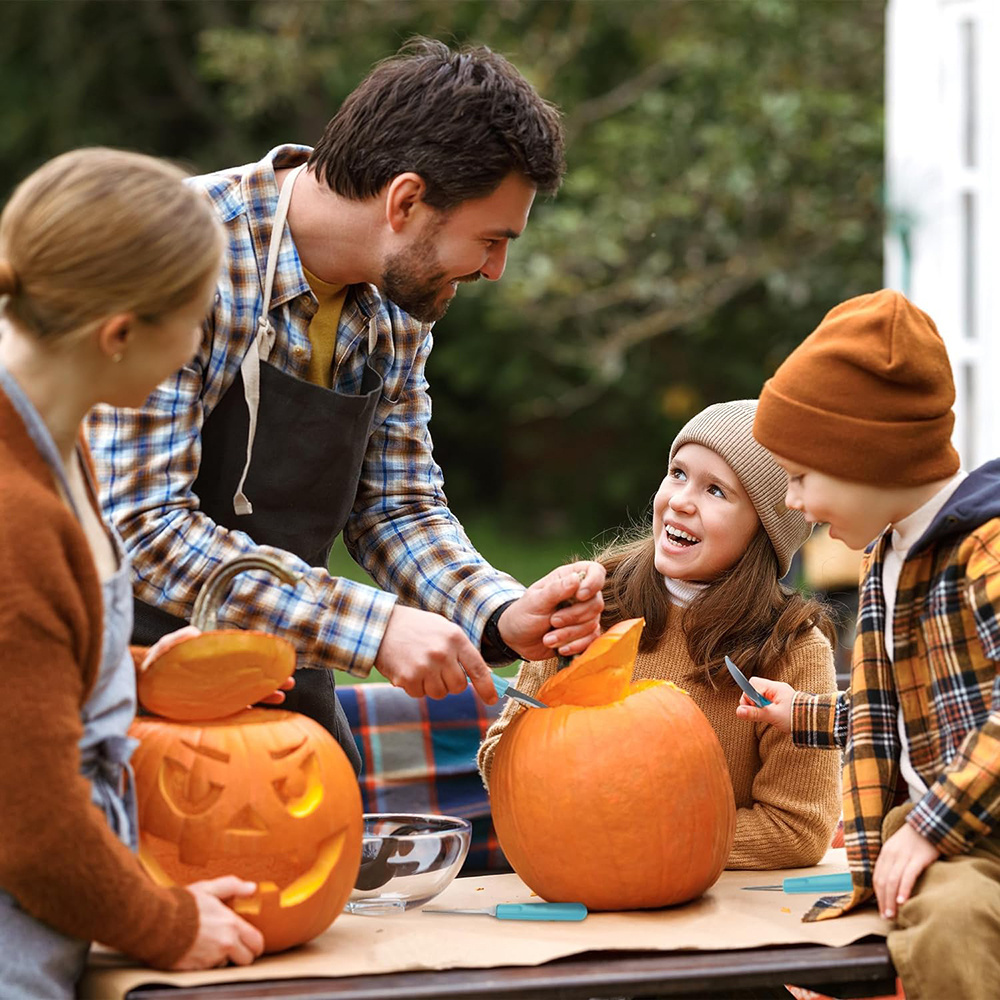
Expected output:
(206, 605)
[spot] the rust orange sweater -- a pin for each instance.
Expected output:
(787, 797)
(58, 857)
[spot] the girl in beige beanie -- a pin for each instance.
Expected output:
(706, 577)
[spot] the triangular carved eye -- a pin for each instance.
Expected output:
(302, 790)
(247, 820)
(287, 751)
(187, 792)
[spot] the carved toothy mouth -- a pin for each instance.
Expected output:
(297, 891)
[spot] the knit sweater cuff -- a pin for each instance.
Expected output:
(174, 936)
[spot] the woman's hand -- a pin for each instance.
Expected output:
(223, 936)
(170, 640)
(778, 713)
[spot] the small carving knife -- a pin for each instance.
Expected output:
(503, 688)
(841, 882)
(525, 911)
(748, 689)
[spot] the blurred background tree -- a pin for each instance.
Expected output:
(723, 192)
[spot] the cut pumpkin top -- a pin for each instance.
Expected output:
(600, 675)
(215, 674)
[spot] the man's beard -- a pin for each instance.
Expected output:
(413, 279)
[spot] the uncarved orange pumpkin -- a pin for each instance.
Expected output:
(265, 794)
(617, 795)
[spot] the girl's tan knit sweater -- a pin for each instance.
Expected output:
(787, 798)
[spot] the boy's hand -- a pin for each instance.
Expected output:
(902, 858)
(779, 713)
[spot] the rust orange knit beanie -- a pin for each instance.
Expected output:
(867, 396)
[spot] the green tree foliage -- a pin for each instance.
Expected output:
(724, 191)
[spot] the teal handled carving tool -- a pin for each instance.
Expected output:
(503, 688)
(524, 911)
(748, 689)
(841, 882)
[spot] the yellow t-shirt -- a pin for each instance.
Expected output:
(323, 328)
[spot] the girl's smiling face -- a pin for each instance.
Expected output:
(703, 519)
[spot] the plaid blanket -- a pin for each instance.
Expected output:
(418, 755)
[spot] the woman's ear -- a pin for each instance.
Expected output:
(114, 335)
(404, 200)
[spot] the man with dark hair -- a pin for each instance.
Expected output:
(306, 412)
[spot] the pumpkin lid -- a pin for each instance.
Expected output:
(221, 671)
(215, 674)
(602, 673)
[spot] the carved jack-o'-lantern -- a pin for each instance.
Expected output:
(265, 794)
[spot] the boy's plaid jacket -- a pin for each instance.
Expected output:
(946, 634)
(400, 530)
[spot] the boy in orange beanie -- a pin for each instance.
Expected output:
(860, 417)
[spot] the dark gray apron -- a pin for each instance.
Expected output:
(308, 447)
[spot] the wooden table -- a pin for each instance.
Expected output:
(863, 969)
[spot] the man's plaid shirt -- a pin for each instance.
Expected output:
(944, 674)
(400, 529)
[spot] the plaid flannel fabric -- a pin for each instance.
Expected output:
(419, 756)
(400, 530)
(945, 677)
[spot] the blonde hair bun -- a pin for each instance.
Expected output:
(8, 278)
(99, 231)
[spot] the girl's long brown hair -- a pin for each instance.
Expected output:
(745, 614)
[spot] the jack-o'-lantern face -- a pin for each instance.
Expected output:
(266, 795)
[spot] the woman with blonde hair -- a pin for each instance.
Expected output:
(108, 263)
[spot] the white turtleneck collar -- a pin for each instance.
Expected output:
(683, 592)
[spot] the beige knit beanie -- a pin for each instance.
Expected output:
(727, 429)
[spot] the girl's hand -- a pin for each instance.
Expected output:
(779, 713)
(167, 642)
(223, 936)
(277, 697)
(900, 862)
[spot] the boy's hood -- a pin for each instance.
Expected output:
(976, 501)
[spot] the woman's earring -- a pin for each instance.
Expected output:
(116, 357)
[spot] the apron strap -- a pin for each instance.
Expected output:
(263, 341)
